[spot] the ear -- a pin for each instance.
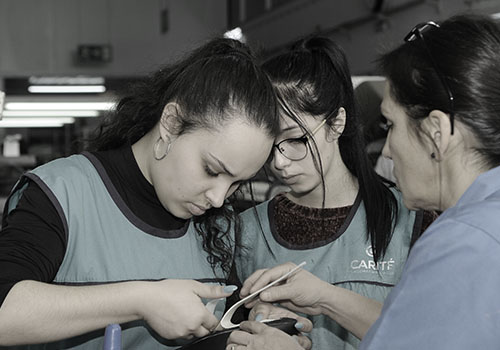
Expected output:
(338, 124)
(169, 121)
(438, 126)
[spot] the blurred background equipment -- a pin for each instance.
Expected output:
(64, 62)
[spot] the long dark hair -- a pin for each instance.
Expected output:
(209, 85)
(466, 51)
(313, 77)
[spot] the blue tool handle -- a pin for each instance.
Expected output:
(113, 337)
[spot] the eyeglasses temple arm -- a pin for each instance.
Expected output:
(318, 127)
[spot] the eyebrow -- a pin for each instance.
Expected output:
(222, 165)
(290, 128)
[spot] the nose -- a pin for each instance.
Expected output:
(279, 160)
(385, 151)
(217, 194)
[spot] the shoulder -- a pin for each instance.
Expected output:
(65, 176)
(482, 216)
(74, 165)
(473, 231)
(253, 212)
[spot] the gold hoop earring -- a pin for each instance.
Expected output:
(161, 149)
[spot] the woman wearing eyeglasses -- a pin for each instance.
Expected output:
(339, 216)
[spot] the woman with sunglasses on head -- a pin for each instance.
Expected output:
(346, 222)
(138, 230)
(442, 103)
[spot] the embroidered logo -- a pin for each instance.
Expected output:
(368, 264)
(369, 251)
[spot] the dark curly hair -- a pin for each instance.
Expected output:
(216, 79)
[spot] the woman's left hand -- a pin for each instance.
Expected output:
(266, 311)
(258, 336)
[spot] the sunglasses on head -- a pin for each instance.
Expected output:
(417, 33)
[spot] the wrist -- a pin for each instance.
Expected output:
(136, 299)
(327, 298)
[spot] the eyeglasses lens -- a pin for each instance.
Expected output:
(294, 149)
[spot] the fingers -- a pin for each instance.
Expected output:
(209, 322)
(201, 332)
(304, 341)
(261, 311)
(260, 278)
(213, 291)
(273, 294)
(257, 336)
(253, 327)
(250, 281)
(277, 293)
(303, 324)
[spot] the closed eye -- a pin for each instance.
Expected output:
(297, 140)
(210, 172)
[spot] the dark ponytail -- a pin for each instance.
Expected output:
(211, 84)
(314, 78)
(466, 50)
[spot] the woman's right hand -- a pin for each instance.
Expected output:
(300, 292)
(306, 293)
(266, 311)
(259, 336)
(173, 308)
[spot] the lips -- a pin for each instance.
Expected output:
(197, 210)
(289, 179)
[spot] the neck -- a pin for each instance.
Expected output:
(456, 177)
(143, 150)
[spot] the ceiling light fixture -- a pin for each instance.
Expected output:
(66, 89)
(99, 106)
(35, 122)
(47, 113)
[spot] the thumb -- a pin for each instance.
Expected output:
(213, 291)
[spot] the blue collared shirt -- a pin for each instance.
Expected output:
(449, 293)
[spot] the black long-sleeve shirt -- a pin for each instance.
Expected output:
(32, 239)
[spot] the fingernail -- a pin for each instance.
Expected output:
(299, 325)
(259, 317)
(296, 338)
(230, 288)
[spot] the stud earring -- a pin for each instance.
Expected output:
(161, 149)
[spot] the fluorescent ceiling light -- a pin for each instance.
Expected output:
(78, 80)
(2, 99)
(495, 15)
(44, 113)
(66, 89)
(99, 106)
(35, 122)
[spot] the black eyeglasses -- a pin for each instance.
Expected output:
(418, 33)
(296, 148)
